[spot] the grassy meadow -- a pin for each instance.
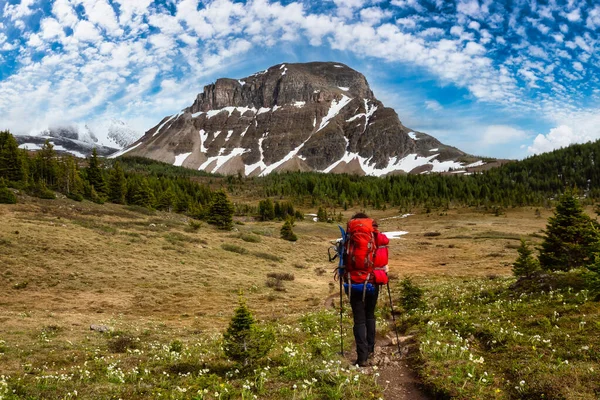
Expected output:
(167, 290)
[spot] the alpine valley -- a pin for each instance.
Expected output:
(319, 116)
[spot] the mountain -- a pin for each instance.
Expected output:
(108, 137)
(319, 116)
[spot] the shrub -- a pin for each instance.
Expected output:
(287, 233)
(176, 346)
(6, 195)
(284, 276)
(40, 190)
(121, 343)
(250, 238)
(194, 225)
(431, 234)
(411, 296)
(20, 285)
(234, 248)
(276, 284)
(267, 256)
(243, 341)
(526, 264)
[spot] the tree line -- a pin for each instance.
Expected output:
(98, 180)
(536, 181)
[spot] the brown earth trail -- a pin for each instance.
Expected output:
(395, 375)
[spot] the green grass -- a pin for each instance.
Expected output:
(154, 363)
(481, 339)
(234, 248)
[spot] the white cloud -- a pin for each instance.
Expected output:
(51, 29)
(578, 127)
(101, 13)
(474, 25)
(577, 66)
(20, 10)
(374, 15)
(473, 8)
(473, 48)
(433, 105)
(86, 32)
(593, 19)
(501, 134)
(64, 12)
(574, 15)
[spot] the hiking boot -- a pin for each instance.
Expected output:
(371, 355)
(361, 364)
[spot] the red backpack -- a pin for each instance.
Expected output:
(360, 249)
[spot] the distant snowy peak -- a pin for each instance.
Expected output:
(110, 133)
(294, 117)
(108, 137)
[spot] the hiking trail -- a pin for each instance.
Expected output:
(398, 380)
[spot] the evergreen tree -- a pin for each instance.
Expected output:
(571, 237)
(243, 342)
(287, 233)
(525, 264)
(142, 194)
(94, 174)
(167, 199)
(221, 211)
(69, 180)
(45, 166)
(266, 210)
(12, 160)
(6, 195)
(322, 215)
(117, 184)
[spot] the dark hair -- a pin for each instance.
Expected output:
(360, 215)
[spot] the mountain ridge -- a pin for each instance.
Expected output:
(319, 116)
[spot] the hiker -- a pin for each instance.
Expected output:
(366, 269)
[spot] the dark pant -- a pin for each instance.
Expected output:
(364, 322)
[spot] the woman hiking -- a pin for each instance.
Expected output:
(366, 269)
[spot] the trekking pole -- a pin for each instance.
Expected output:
(341, 318)
(394, 318)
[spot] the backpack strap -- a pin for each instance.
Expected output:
(365, 287)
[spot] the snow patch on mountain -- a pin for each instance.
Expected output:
(179, 159)
(203, 137)
(221, 159)
(475, 164)
(120, 153)
(405, 164)
(30, 146)
(413, 136)
(334, 110)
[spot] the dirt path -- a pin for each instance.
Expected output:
(395, 376)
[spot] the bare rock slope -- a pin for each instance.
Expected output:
(317, 116)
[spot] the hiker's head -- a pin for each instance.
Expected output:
(360, 215)
(375, 224)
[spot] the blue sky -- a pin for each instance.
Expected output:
(494, 78)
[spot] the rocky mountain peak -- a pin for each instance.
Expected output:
(319, 116)
(281, 84)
